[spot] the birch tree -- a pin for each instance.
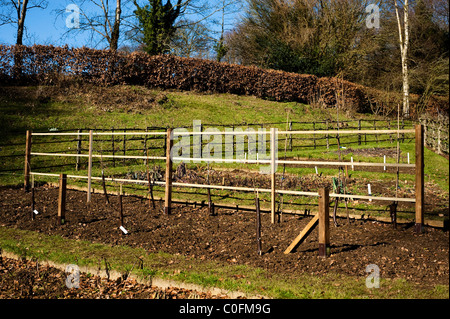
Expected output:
(403, 33)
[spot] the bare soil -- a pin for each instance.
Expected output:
(439, 206)
(229, 237)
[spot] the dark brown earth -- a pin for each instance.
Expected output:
(439, 206)
(229, 237)
(25, 279)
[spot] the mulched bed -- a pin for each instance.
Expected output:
(229, 237)
(29, 279)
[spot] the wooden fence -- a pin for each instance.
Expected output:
(273, 162)
(436, 133)
(126, 144)
(322, 217)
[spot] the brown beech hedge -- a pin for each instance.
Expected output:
(39, 64)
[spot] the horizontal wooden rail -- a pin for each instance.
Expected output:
(101, 156)
(225, 160)
(228, 160)
(100, 133)
(345, 163)
(349, 132)
(234, 188)
(308, 132)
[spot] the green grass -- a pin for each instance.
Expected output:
(251, 280)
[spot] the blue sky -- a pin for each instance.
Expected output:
(42, 27)
(46, 27)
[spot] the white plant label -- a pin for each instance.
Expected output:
(123, 230)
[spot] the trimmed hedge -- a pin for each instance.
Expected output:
(40, 64)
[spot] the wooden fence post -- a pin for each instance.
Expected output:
(26, 184)
(390, 135)
(168, 191)
(91, 139)
(419, 178)
(328, 137)
(290, 136)
(77, 165)
(375, 128)
(124, 145)
(273, 171)
(359, 135)
(62, 198)
(113, 146)
(145, 147)
(324, 222)
(314, 135)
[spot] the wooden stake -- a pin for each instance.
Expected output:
(120, 209)
(151, 200)
(104, 188)
(124, 145)
(62, 199)
(113, 146)
(419, 179)
(168, 190)
(258, 226)
(393, 213)
(32, 203)
(26, 185)
(91, 138)
(210, 203)
(324, 222)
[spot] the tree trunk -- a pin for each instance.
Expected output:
(116, 28)
(404, 43)
(21, 13)
(405, 89)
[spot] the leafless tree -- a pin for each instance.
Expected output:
(13, 12)
(102, 19)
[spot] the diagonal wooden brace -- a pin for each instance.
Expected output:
(303, 234)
